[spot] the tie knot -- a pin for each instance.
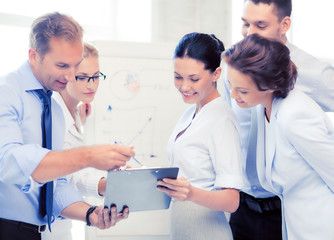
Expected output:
(44, 96)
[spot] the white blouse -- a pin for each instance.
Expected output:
(208, 153)
(85, 180)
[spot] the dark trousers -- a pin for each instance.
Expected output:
(11, 230)
(249, 224)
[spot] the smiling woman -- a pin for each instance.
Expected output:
(289, 163)
(204, 145)
(243, 89)
(194, 82)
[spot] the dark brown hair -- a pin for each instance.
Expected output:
(201, 47)
(266, 61)
(282, 8)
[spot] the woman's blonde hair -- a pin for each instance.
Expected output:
(90, 50)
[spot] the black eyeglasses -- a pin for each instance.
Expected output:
(96, 78)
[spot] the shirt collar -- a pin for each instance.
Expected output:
(30, 81)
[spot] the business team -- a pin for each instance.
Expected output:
(55, 53)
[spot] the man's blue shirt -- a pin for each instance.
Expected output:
(21, 151)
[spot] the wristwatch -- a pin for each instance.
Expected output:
(89, 212)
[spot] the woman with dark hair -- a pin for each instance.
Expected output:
(295, 138)
(205, 145)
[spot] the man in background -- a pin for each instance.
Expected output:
(259, 214)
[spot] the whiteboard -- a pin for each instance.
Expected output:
(138, 105)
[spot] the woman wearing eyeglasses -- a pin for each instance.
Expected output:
(75, 102)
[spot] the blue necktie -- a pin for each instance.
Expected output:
(46, 194)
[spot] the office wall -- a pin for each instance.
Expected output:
(171, 19)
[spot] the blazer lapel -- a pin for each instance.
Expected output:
(261, 150)
(270, 143)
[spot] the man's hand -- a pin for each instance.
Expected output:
(102, 219)
(110, 156)
(56, 164)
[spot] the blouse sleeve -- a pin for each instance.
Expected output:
(225, 151)
(87, 181)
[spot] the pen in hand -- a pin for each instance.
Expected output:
(136, 160)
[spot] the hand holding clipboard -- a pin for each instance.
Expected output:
(137, 188)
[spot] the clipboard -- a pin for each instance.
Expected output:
(137, 189)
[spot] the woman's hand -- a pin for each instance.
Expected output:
(84, 110)
(103, 219)
(179, 189)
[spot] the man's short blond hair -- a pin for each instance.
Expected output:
(53, 25)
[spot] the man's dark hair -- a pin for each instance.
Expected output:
(283, 8)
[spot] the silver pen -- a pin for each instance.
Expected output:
(137, 161)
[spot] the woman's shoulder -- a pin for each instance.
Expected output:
(222, 110)
(297, 105)
(220, 115)
(297, 101)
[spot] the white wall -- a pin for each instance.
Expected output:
(173, 18)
